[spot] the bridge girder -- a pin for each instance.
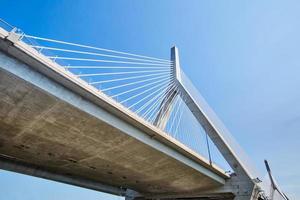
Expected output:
(241, 183)
(40, 78)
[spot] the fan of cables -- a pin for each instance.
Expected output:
(142, 84)
(138, 82)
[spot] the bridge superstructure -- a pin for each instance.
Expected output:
(59, 124)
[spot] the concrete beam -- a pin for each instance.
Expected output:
(52, 81)
(58, 82)
(15, 165)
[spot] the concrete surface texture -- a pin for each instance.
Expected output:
(45, 131)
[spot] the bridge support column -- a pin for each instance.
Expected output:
(165, 109)
(243, 182)
(166, 105)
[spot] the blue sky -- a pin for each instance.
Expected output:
(243, 56)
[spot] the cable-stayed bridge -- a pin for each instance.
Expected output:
(113, 121)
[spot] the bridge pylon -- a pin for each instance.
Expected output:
(166, 105)
(243, 181)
